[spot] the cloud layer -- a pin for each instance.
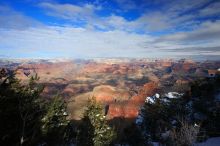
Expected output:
(166, 30)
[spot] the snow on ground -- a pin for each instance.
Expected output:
(174, 95)
(217, 97)
(139, 120)
(215, 141)
(155, 143)
(150, 100)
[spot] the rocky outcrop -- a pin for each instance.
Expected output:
(182, 81)
(123, 110)
(109, 94)
(123, 107)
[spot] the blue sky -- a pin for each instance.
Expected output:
(104, 28)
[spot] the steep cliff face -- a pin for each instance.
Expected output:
(120, 105)
(108, 94)
(123, 110)
(187, 66)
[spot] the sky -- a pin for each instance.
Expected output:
(110, 28)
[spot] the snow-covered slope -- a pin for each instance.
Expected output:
(214, 141)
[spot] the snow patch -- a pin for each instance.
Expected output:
(215, 141)
(174, 95)
(217, 97)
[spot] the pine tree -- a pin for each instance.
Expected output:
(22, 110)
(97, 130)
(54, 122)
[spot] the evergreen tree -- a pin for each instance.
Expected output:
(159, 116)
(54, 122)
(206, 105)
(22, 110)
(94, 129)
(156, 118)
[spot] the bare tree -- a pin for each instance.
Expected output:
(184, 136)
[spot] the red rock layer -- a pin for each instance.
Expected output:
(119, 103)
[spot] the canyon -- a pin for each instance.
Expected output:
(121, 85)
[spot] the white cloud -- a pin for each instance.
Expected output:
(68, 41)
(85, 13)
(182, 6)
(15, 20)
(154, 21)
(173, 15)
(70, 11)
(203, 41)
(120, 38)
(73, 42)
(207, 31)
(212, 9)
